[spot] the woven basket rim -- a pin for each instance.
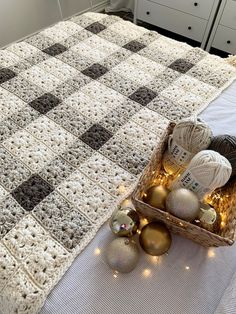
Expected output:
(184, 222)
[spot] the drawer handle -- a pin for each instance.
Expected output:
(189, 27)
(195, 4)
(228, 42)
(148, 13)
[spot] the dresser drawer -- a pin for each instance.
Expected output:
(225, 39)
(171, 19)
(228, 17)
(200, 8)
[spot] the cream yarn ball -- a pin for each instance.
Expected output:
(207, 171)
(188, 138)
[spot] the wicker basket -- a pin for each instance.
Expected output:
(223, 200)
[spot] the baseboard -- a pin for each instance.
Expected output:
(101, 6)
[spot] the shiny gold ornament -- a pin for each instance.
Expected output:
(183, 203)
(124, 222)
(127, 203)
(155, 239)
(156, 196)
(122, 255)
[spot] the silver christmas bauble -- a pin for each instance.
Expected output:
(122, 255)
(124, 222)
(207, 214)
(183, 204)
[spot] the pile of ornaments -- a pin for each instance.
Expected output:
(122, 254)
(198, 163)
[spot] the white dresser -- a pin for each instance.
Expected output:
(223, 35)
(189, 18)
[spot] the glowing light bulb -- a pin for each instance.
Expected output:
(211, 253)
(155, 260)
(97, 251)
(147, 272)
(115, 274)
(187, 267)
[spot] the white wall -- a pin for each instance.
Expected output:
(20, 18)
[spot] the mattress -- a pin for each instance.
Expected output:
(83, 104)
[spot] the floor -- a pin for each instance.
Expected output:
(129, 16)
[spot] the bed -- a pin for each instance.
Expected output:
(83, 104)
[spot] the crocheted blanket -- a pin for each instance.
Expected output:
(82, 105)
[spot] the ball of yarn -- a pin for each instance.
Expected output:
(189, 137)
(226, 146)
(207, 171)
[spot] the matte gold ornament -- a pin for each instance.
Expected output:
(183, 203)
(124, 222)
(122, 255)
(156, 196)
(155, 239)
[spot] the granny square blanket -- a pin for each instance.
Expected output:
(82, 105)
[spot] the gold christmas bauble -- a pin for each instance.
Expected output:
(155, 239)
(156, 196)
(122, 255)
(124, 222)
(183, 203)
(127, 203)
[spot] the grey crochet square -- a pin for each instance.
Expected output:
(121, 84)
(38, 57)
(31, 192)
(56, 171)
(23, 89)
(65, 222)
(78, 153)
(11, 213)
(75, 60)
(20, 66)
(55, 49)
(6, 74)
(143, 95)
(40, 41)
(12, 171)
(25, 116)
(7, 128)
(134, 46)
(45, 103)
(114, 120)
(169, 109)
(95, 71)
(70, 119)
(96, 27)
(96, 136)
(63, 91)
(72, 229)
(130, 159)
(181, 65)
